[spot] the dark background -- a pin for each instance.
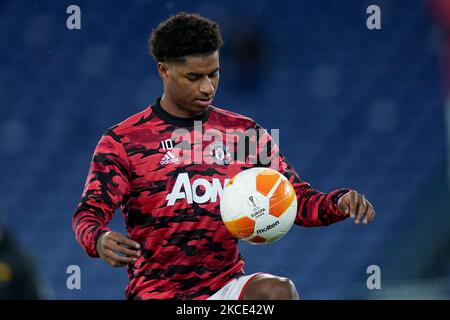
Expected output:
(355, 107)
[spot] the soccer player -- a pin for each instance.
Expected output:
(177, 246)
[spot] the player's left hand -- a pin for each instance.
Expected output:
(355, 204)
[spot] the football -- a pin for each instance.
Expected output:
(258, 205)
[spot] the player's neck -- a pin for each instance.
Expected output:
(175, 110)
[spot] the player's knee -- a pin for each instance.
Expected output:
(272, 288)
(283, 289)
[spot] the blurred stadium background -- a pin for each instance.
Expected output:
(355, 108)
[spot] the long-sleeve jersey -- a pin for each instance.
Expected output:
(170, 201)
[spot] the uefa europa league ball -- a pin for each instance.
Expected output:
(258, 205)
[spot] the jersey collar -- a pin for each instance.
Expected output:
(169, 118)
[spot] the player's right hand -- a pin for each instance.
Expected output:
(116, 249)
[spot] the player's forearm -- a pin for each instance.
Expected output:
(89, 223)
(316, 208)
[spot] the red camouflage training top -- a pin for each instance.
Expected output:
(171, 205)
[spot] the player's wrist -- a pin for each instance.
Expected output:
(338, 196)
(98, 237)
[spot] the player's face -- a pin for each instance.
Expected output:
(190, 86)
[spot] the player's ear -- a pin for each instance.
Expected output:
(163, 70)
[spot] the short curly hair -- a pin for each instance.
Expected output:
(184, 34)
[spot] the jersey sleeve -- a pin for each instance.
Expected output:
(107, 187)
(314, 208)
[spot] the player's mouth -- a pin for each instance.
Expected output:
(204, 103)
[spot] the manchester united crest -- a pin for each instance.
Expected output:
(220, 153)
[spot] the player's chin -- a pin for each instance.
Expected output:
(194, 109)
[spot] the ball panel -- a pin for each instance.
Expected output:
(269, 227)
(256, 240)
(245, 181)
(230, 203)
(281, 199)
(290, 214)
(265, 181)
(241, 227)
(280, 235)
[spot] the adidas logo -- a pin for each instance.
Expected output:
(169, 158)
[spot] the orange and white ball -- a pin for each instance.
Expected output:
(258, 205)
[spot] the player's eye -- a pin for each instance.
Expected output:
(214, 74)
(192, 77)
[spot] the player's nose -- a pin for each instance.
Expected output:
(206, 87)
